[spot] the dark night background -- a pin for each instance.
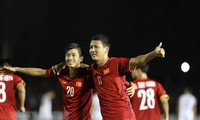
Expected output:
(34, 33)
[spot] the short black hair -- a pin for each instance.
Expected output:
(74, 46)
(103, 38)
(144, 68)
(3, 61)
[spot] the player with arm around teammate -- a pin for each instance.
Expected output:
(109, 77)
(75, 81)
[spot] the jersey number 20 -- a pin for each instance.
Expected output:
(70, 91)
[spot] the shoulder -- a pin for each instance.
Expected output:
(84, 70)
(84, 65)
(119, 59)
(16, 76)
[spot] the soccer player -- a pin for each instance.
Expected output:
(45, 108)
(109, 77)
(187, 105)
(95, 109)
(9, 84)
(149, 93)
(77, 87)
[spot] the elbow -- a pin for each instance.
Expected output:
(136, 62)
(21, 89)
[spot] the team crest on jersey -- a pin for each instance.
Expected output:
(78, 84)
(106, 71)
(64, 82)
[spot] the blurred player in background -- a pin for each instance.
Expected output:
(95, 109)
(9, 85)
(148, 94)
(187, 105)
(45, 109)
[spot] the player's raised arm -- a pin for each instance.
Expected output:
(143, 59)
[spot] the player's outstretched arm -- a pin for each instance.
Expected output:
(27, 71)
(143, 59)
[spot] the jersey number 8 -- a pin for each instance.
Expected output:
(2, 92)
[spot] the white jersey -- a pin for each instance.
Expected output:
(95, 110)
(186, 105)
(45, 110)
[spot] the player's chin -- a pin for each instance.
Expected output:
(71, 65)
(94, 58)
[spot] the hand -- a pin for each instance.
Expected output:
(7, 69)
(83, 65)
(130, 91)
(160, 52)
(166, 117)
(22, 109)
(58, 68)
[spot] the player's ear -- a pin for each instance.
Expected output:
(81, 59)
(107, 49)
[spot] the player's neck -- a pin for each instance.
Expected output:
(73, 72)
(143, 76)
(102, 62)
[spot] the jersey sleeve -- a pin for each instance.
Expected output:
(90, 80)
(88, 77)
(17, 79)
(161, 90)
(49, 73)
(124, 65)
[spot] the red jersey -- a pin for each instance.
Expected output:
(77, 94)
(145, 100)
(8, 105)
(110, 85)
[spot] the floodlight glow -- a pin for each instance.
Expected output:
(185, 67)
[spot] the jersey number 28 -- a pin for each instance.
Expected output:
(148, 101)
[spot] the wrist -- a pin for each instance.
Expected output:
(15, 69)
(154, 54)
